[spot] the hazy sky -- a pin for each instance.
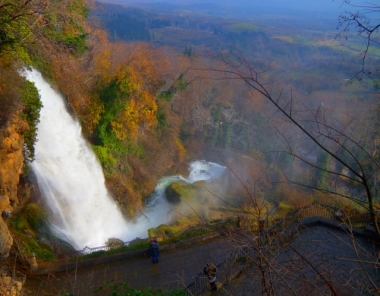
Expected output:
(312, 4)
(305, 10)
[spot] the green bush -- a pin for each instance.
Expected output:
(178, 85)
(77, 42)
(106, 159)
(31, 113)
(31, 219)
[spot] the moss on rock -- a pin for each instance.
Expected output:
(30, 220)
(178, 191)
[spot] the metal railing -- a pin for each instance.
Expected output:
(87, 250)
(353, 218)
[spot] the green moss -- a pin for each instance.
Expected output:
(27, 227)
(42, 251)
(183, 191)
(31, 219)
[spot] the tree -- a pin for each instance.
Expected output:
(350, 150)
(366, 27)
(31, 113)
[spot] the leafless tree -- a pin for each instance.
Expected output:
(349, 149)
(294, 256)
(361, 20)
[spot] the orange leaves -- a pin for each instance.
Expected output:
(137, 115)
(140, 104)
(102, 64)
(136, 75)
(132, 75)
(128, 80)
(95, 110)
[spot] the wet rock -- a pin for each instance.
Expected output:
(178, 191)
(173, 192)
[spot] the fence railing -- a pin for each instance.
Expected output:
(87, 250)
(352, 218)
(198, 286)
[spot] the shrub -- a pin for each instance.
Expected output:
(31, 113)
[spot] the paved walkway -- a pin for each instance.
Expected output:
(317, 260)
(177, 269)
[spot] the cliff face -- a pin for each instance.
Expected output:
(11, 162)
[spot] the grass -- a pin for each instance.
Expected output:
(42, 251)
(177, 235)
(141, 245)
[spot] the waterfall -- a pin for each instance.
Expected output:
(70, 177)
(158, 208)
(71, 180)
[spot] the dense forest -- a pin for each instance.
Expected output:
(156, 90)
(140, 84)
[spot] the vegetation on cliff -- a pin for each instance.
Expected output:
(147, 107)
(113, 88)
(29, 227)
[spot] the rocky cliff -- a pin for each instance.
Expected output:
(11, 162)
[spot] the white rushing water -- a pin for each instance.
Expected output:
(71, 180)
(158, 208)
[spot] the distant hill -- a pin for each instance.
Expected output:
(325, 6)
(245, 9)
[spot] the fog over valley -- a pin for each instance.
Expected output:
(134, 132)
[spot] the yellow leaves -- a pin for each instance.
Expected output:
(119, 130)
(148, 108)
(128, 80)
(132, 76)
(137, 115)
(131, 118)
(181, 150)
(140, 109)
(95, 109)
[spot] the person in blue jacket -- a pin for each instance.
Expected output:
(154, 250)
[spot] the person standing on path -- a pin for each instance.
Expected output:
(211, 270)
(154, 250)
